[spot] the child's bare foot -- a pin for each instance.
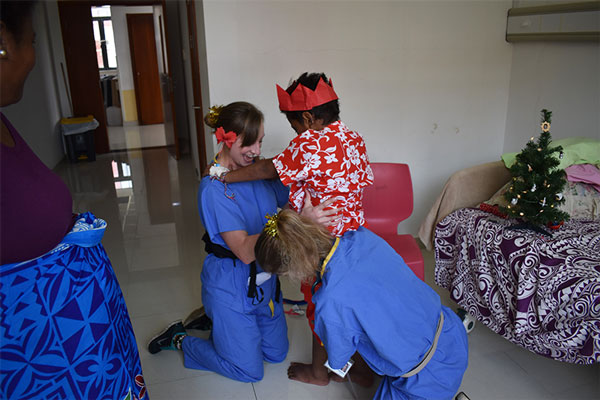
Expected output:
(361, 379)
(304, 373)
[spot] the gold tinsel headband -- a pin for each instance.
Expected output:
(271, 225)
(213, 115)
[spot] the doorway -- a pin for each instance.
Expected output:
(127, 57)
(81, 59)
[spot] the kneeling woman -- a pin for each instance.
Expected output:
(243, 302)
(368, 300)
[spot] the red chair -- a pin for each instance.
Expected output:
(388, 202)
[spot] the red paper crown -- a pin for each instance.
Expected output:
(304, 99)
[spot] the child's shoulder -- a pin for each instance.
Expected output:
(336, 128)
(335, 131)
(340, 131)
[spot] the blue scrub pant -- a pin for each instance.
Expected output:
(239, 342)
(442, 376)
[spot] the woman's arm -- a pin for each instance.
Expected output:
(261, 169)
(241, 244)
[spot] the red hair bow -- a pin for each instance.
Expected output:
(229, 137)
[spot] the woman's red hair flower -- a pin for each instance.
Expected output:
(227, 137)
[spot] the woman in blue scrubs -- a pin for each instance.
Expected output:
(243, 302)
(368, 301)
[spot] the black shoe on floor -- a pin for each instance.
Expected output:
(198, 320)
(165, 339)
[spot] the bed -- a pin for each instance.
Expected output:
(540, 292)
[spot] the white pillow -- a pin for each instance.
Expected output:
(582, 201)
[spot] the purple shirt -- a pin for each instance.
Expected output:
(35, 204)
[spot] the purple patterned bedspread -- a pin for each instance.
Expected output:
(540, 292)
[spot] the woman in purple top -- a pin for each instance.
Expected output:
(30, 191)
(64, 328)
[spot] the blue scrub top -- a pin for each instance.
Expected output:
(225, 280)
(245, 212)
(371, 302)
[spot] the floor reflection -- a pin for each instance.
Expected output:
(154, 232)
(143, 187)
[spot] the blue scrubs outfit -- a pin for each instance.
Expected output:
(371, 302)
(245, 331)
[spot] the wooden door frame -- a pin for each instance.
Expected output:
(169, 68)
(86, 99)
(196, 85)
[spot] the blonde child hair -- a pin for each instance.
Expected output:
(292, 245)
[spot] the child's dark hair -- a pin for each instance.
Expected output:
(328, 112)
(240, 117)
(14, 13)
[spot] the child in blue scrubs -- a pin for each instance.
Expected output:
(368, 301)
(243, 302)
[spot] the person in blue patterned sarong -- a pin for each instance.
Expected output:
(368, 301)
(64, 328)
(65, 332)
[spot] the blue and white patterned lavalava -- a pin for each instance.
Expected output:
(64, 328)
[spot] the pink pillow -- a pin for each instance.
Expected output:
(586, 173)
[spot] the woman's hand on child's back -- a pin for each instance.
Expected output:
(319, 214)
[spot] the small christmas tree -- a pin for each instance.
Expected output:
(537, 185)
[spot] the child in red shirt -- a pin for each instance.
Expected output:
(327, 161)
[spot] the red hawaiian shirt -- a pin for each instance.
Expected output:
(329, 163)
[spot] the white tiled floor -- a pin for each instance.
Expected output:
(153, 240)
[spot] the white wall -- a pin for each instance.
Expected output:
(425, 82)
(561, 77)
(44, 103)
(158, 14)
(56, 59)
